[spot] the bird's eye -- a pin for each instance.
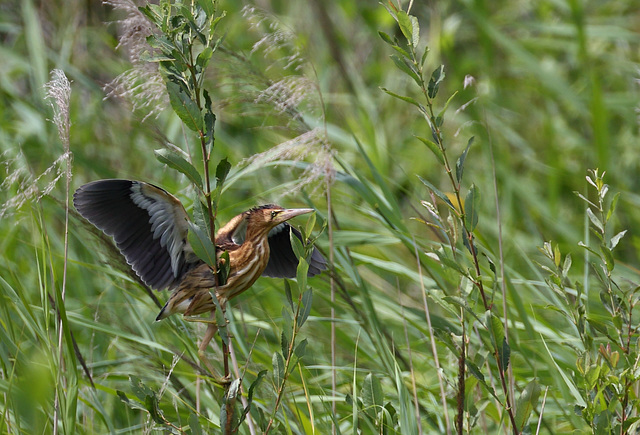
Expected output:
(273, 214)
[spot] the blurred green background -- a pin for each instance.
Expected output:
(554, 91)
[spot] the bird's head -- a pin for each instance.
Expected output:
(266, 217)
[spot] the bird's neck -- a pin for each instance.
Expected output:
(256, 235)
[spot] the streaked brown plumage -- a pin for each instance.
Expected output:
(150, 227)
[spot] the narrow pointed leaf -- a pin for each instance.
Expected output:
(307, 298)
(471, 205)
(505, 354)
(616, 239)
(222, 170)
(404, 98)
(612, 206)
(433, 147)
(406, 25)
(202, 245)
(434, 83)
(372, 397)
(194, 424)
(386, 38)
(278, 369)
(415, 31)
(178, 163)
(527, 403)
(438, 193)
(186, 109)
(402, 66)
(461, 160)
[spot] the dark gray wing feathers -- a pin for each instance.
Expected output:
(282, 260)
(150, 242)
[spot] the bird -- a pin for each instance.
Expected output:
(150, 226)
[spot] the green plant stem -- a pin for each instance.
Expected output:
(469, 234)
(287, 363)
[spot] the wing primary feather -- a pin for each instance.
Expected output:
(148, 224)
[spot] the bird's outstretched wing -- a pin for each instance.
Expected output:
(148, 224)
(282, 260)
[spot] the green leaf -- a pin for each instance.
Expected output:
(438, 193)
(496, 328)
(222, 170)
(612, 206)
(595, 220)
(296, 245)
(616, 239)
(139, 389)
(475, 370)
(301, 274)
(209, 123)
(287, 292)
(424, 56)
(186, 109)
(592, 375)
(403, 66)
(153, 12)
(194, 424)
(208, 6)
(130, 403)
(372, 397)
(403, 98)
(505, 354)
(203, 58)
(406, 26)
(527, 402)
(471, 206)
(434, 83)
(435, 149)
(415, 34)
(607, 255)
(308, 228)
(386, 38)
(461, 159)
(285, 342)
(177, 162)
(307, 298)
(252, 387)
(278, 369)
(202, 245)
(446, 105)
(301, 348)
(200, 215)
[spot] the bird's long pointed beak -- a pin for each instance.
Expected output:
(293, 212)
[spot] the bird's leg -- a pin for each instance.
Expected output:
(206, 339)
(208, 336)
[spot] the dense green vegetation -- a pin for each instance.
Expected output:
(503, 259)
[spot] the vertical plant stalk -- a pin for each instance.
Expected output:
(411, 371)
(212, 212)
(236, 369)
(503, 285)
(461, 380)
(59, 94)
(432, 119)
(544, 401)
(290, 350)
(333, 309)
(434, 349)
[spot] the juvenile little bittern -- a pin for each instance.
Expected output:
(149, 226)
